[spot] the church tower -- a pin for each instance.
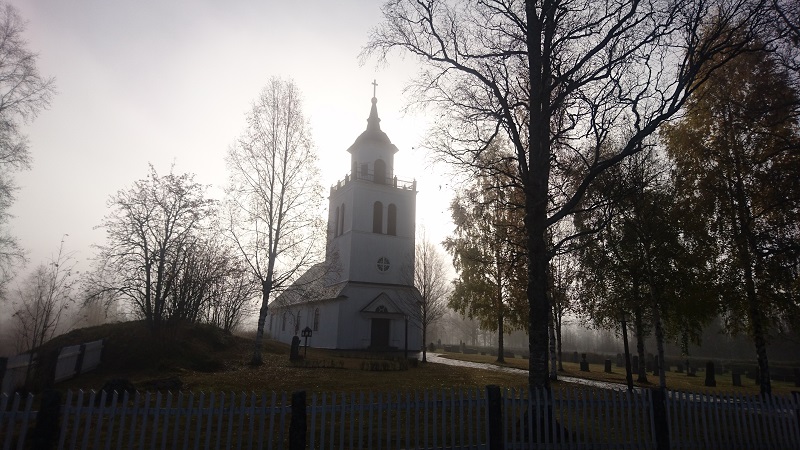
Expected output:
(363, 297)
(372, 213)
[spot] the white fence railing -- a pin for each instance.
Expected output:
(453, 418)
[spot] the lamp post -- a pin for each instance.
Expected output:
(628, 373)
(306, 333)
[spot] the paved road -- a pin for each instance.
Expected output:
(437, 358)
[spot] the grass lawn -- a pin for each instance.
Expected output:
(675, 381)
(208, 362)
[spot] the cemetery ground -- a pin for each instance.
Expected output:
(204, 358)
(675, 381)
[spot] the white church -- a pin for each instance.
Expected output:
(362, 297)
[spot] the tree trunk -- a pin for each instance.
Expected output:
(756, 323)
(535, 175)
(266, 288)
(500, 332)
(424, 335)
(639, 324)
(553, 368)
(662, 377)
(558, 339)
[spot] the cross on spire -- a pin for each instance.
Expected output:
(374, 87)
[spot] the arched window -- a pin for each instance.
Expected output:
(341, 221)
(316, 319)
(377, 217)
(391, 227)
(380, 171)
(336, 223)
(297, 323)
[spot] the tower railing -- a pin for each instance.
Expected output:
(392, 181)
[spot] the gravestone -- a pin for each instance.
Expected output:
(608, 366)
(710, 380)
(737, 378)
(620, 360)
(584, 363)
(294, 351)
(575, 357)
(648, 365)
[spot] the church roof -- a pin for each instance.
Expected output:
(312, 285)
(373, 133)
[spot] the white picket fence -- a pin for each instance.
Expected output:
(456, 418)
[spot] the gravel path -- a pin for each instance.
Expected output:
(436, 358)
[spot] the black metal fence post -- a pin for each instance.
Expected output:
(3, 366)
(495, 413)
(297, 424)
(45, 435)
(659, 411)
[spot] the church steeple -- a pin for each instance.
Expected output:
(374, 122)
(373, 143)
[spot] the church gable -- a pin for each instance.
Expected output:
(382, 306)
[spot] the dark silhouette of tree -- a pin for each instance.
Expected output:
(42, 299)
(738, 155)
(150, 232)
(24, 92)
(488, 255)
(274, 195)
(650, 259)
(559, 80)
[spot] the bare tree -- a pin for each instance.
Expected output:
(23, 93)
(560, 80)
(231, 289)
(149, 231)
(40, 303)
(431, 280)
(274, 195)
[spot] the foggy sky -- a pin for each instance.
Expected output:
(169, 82)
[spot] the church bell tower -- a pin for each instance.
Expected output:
(372, 213)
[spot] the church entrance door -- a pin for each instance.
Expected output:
(379, 339)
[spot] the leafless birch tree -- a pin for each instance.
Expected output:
(24, 92)
(274, 195)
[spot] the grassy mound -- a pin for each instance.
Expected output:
(133, 347)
